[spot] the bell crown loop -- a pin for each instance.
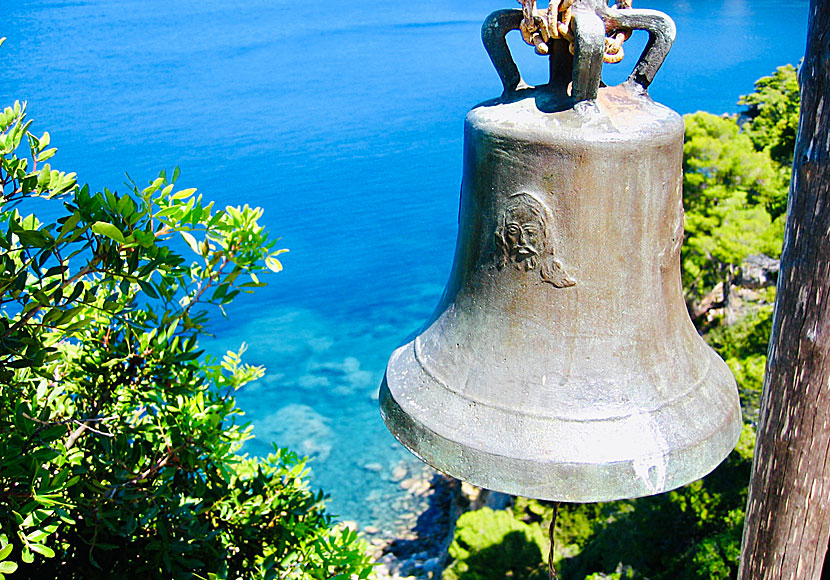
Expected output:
(591, 21)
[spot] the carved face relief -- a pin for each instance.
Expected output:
(524, 238)
(524, 232)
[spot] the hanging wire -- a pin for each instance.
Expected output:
(551, 570)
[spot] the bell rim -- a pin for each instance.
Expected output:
(573, 482)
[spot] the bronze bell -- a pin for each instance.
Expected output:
(561, 362)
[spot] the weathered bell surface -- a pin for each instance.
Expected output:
(561, 362)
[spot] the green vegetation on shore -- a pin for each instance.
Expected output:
(119, 438)
(737, 172)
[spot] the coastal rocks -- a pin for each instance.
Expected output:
(424, 529)
(416, 486)
(426, 526)
(478, 497)
(399, 473)
(758, 271)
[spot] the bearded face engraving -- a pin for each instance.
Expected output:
(523, 230)
(524, 239)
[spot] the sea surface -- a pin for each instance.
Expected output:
(343, 119)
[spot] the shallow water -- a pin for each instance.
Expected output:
(344, 121)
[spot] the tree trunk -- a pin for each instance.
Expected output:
(788, 513)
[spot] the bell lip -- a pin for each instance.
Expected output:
(585, 482)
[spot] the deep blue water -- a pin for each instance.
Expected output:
(344, 121)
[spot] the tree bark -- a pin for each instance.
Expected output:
(788, 512)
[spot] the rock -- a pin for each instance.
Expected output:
(498, 501)
(374, 467)
(470, 491)
(408, 483)
(432, 568)
(409, 568)
(301, 428)
(420, 487)
(400, 473)
(371, 530)
(758, 271)
(415, 547)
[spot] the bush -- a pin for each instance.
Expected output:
(119, 438)
(492, 545)
(743, 346)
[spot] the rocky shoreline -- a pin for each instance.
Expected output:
(417, 548)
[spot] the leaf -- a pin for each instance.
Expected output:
(47, 154)
(185, 193)
(108, 230)
(147, 288)
(273, 264)
(4, 553)
(33, 238)
(191, 241)
(45, 551)
(7, 567)
(69, 224)
(76, 292)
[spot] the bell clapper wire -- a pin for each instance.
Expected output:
(539, 27)
(551, 570)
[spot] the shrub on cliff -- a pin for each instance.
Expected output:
(491, 545)
(119, 438)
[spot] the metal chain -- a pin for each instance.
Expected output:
(551, 570)
(539, 27)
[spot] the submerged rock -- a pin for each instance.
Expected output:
(399, 473)
(301, 428)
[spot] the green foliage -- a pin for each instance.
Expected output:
(119, 438)
(773, 112)
(728, 189)
(492, 545)
(736, 181)
(621, 573)
(743, 346)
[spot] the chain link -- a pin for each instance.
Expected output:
(539, 27)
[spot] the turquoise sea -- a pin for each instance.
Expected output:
(344, 121)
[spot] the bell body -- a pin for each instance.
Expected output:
(561, 362)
